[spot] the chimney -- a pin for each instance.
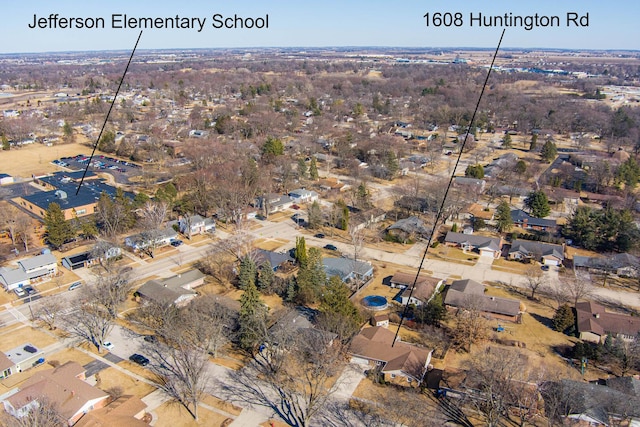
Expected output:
(597, 315)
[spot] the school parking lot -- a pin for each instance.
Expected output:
(122, 170)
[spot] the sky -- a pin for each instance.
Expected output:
(612, 25)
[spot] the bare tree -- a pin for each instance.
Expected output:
(294, 379)
(44, 413)
(23, 229)
(48, 311)
(577, 288)
(110, 289)
(90, 321)
(535, 280)
(153, 216)
(470, 325)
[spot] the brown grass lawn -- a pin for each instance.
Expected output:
(454, 255)
(111, 377)
(137, 369)
(36, 158)
(511, 266)
(269, 244)
(18, 334)
(174, 415)
(222, 405)
(68, 354)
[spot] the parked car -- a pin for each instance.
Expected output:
(150, 338)
(20, 292)
(296, 207)
(319, 235)
(331, 247)
(139, 359)
(175, 242)
(108, 345)
(75, 285)
(30, 290)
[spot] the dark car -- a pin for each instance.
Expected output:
(29, 290)
(139, 359)
(331, 247)
(150, 338)
(175, 243)
(319, 236)
(545, 268)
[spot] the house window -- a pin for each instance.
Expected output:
(81, 211)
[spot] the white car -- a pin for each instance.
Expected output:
(108, 345)
(20, 292)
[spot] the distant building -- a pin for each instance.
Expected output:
(595, 323)
(175, 290)
(347, 269)
(468, 294)
(5, 179)
(546, 253)
(485, 246)
(523, 220)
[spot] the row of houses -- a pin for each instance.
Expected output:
(29, 271)
(521, 250)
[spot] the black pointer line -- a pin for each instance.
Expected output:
(108, 113)
(435, 224)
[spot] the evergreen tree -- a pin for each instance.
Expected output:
(474, 171)
(313, 169)
(58, 229)
(248, 273)
(549, 151)
(506, 142)
(629, 172)
(315, 215)
(301, 251)
(563, 318)
(311, 278)
(521, 167)
(67, 132)
(253, 318)
(363, 196)
(266, 277)
(302, 168)
(344, 220)
(534, 142)
(433, 312)
(538, 204)
(6, 146)
(107, 142)
(272, 148)
(392, 164)
(338, 313)
(503, 217)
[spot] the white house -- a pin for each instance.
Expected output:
(29, 270)
(302, 195)
(143, 241)
(196, 224)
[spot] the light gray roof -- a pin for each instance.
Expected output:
(183, 279)
(483, 242)
(158, 292)
(9, 276)
(412, 224)
(464, 293)
(344, 267)
(529, 248)
(37, 261)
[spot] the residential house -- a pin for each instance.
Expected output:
(87, 258)
(196, 224)
(473, 186)
(402, 363)
(595, 323)
(546, 253)
(588, 404)
(469, 294)
(506, 161)
(20, 359)
(348, 269)
(625, 265)
(523, 220)
(408, 229)
(483, 245)
(476, 211)
(143, 241)
(64, 387)
(276, 259)
(29, 271)
(425, 289)
(272, 203)
(363, 219)
(332, 184)
(196, 133)
(302, 195)
(175, 290)
(125, 411)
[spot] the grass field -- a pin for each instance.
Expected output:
(36, 158)
(174, 415)
(111, 377)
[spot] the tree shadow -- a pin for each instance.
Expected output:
(546, 321)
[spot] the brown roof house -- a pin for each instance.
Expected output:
(173, 290)
(595, 323)
(426, 287)
(126, 411)
(63, 387)
(403, 363)
(483, 245)
(468, 294)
